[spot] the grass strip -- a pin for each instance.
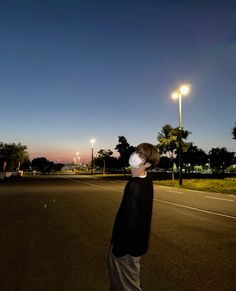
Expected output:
(210, 185)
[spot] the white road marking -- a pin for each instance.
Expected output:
(99, 186)
(197, 191)
(173, 191)
(167, 187)
(196, 209)
(167, 202)
(164, 186)
(211, 197)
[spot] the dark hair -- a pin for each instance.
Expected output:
(148, 152)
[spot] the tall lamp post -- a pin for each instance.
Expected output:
(92, 143)
(78, 160)
(181, 91)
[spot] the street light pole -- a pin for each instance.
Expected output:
(180, 140)
(92, 142)
(183, 90)
(78, 161)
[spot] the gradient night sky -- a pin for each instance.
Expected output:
(72, 70)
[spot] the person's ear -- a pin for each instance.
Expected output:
(147, 165)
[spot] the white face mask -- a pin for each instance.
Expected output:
(136, 162)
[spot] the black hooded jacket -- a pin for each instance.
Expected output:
(131, 229)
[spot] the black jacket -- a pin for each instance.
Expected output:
(133, 220)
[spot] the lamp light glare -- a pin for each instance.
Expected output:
(175, 95)
(184, 89)
(92, 141)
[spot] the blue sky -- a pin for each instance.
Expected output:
(73, 70)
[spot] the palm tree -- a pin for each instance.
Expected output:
(168, 142)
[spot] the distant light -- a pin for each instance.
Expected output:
(184, 89)
(92, 141)
(175, 95)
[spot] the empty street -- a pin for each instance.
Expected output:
(55, 235)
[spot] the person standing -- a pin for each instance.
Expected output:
(131, 230)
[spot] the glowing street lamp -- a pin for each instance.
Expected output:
(182, 91)
(92, 143)
(78, 160)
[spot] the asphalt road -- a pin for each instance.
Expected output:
(55, 233)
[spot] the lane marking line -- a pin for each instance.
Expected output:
(197, 191)
(95, 185)
(173, 191)
(167, 187)
(196, 209)
(103, 187)
(211, 197)
(167, 202)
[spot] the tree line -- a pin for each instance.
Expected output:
(218, 159)
(14, 157)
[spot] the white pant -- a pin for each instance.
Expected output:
(124, 272)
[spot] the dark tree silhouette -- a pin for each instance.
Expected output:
(12, 156)
(42, 165)
(220, 159)
(194, 156)
(105, 160)
(125, 150)
(234, 132)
